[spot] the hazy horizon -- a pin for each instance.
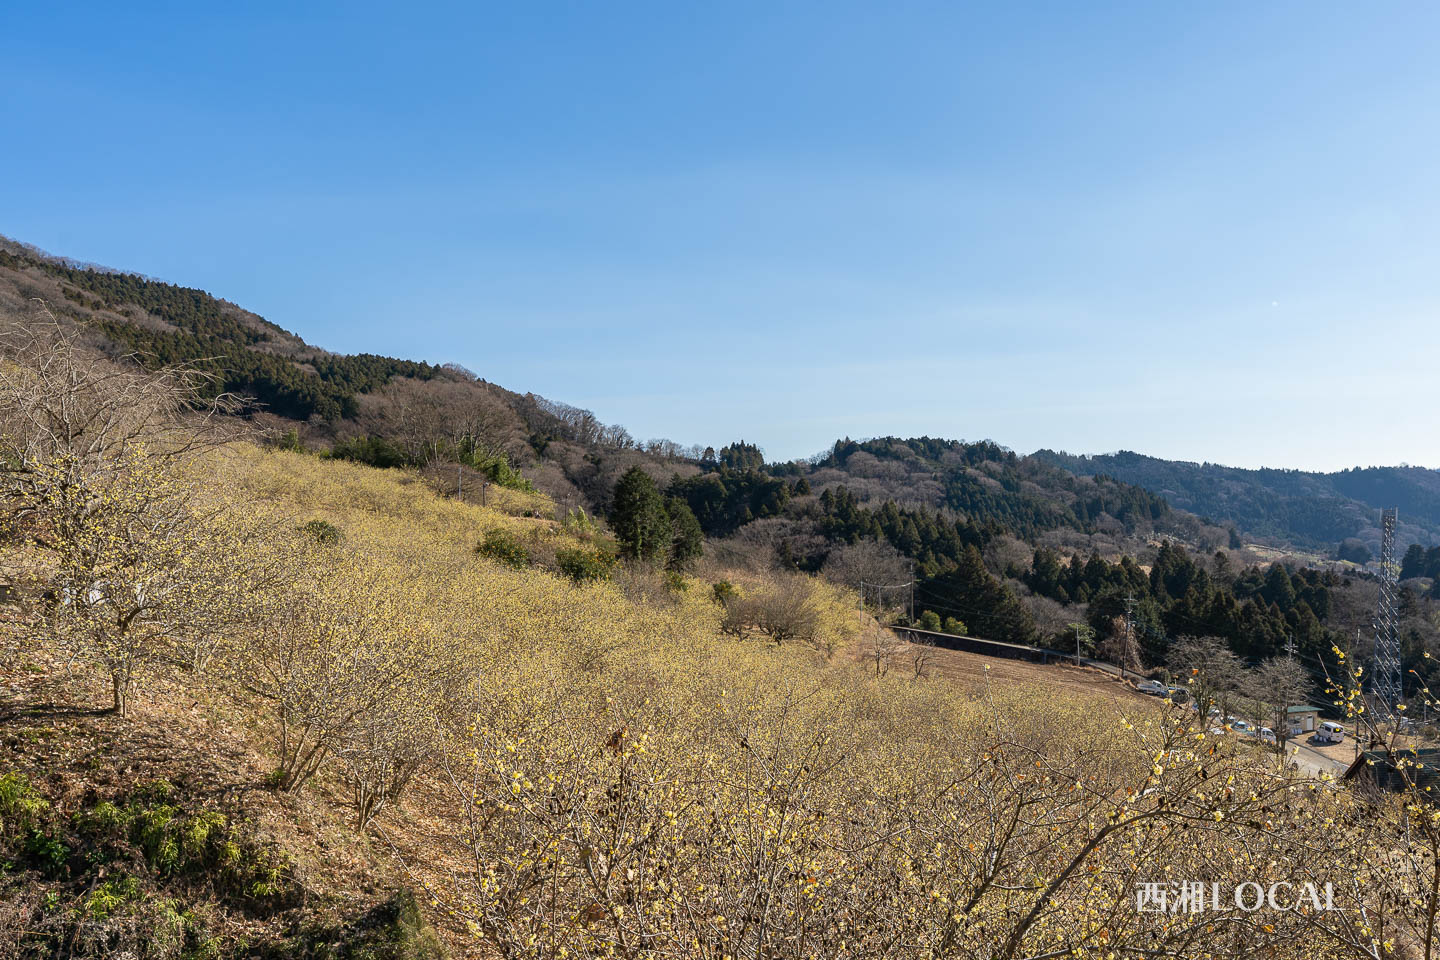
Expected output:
(1205, 234)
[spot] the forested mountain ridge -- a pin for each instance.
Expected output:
(986, 479)
(388, 411)
(1306, 509)
(380, 410)
(1013, 548)
(357, 402)
(164, 323)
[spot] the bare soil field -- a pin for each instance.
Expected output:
(975, 669)
(1342, 753)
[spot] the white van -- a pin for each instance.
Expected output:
(1329, 732)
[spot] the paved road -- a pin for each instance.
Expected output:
(1313, 762)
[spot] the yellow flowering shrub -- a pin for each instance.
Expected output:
(628, 780)
(625, 778)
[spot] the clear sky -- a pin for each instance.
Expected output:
(1208, 231)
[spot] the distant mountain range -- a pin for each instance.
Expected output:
(1304, 509)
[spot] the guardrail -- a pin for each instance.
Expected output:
(1014, 651)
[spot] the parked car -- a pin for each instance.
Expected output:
(1178, 694)
(1330, 732)
(1153, 687)
(1264, 734)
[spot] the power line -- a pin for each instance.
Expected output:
(880, 589)
(967, 611)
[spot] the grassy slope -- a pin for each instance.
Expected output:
(639, 652)
(213, 752)
(196, 749)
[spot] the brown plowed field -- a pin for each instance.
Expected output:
(970, 668)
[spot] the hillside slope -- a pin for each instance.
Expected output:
(380, 410)
(620, 770)
(163, 832)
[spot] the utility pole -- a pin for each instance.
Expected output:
(1129, 632)
(1082, 632)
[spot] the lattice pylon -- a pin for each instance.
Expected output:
(1385, 683)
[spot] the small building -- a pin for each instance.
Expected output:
(1302, 720)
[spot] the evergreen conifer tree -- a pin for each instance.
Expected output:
(687, 541)
(638, 516)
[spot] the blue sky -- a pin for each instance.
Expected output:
(1205, 231)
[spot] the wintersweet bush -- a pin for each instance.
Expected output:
(628, 780)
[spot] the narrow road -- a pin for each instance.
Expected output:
(1312, 762)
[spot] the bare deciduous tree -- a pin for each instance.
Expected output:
(922, 658)
(785, 611)
(61, 404)
(882, 647)
(445, 420)
(869, 561)
(89, 474)
(1211, 669)
(1277, 685)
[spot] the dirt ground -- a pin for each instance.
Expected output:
(1345, 751)
(1342, 752)
(974, 668)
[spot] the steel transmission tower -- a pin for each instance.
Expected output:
(1386, 685)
